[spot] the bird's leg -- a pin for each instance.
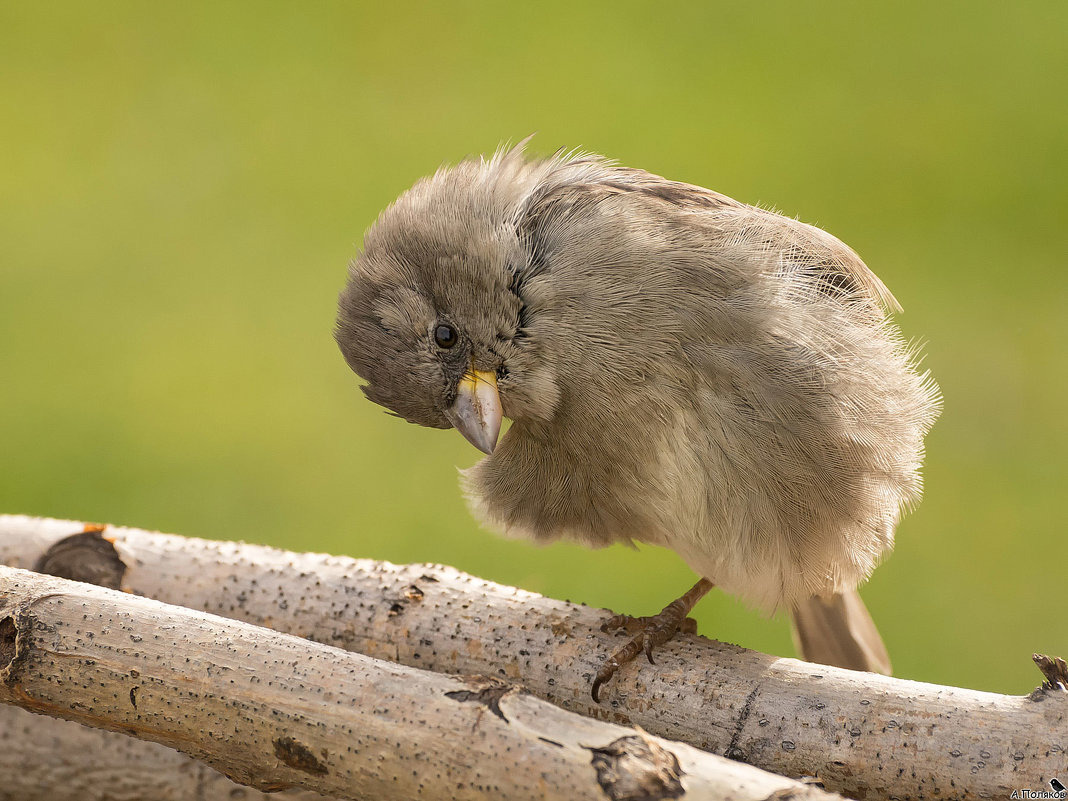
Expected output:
(651, 632)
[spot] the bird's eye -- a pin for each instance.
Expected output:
(445, 336)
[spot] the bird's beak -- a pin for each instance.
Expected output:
(476, 412)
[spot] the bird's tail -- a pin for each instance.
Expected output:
(837, 630)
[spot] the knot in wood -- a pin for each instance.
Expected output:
(88, 557)
(637, 768)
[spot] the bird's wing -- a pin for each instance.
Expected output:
(825, 263)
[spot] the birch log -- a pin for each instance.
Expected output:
(864, 735)
(274, 711)
(48, 759)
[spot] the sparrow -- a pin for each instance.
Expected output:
(680, 369)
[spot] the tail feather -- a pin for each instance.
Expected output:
(837, 630)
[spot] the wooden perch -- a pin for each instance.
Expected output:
(48, 759)
(864, 735)
(274, 711)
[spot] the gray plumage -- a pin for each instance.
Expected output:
(681, 369)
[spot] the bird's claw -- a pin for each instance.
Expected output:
(625, 623)
(614, 663)
(650, 632)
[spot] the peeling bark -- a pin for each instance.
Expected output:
(275, 711)
(864, 735)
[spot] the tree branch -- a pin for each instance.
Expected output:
(49, 759)
(274, 711)
(865, 735)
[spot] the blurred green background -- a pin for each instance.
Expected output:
(182, 185)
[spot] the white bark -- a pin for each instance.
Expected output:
(864, 735)
(275, 711)
(48, 759)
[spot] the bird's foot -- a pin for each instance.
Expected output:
(649, 632)
(627, 624)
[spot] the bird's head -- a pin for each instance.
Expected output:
(432, 317)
